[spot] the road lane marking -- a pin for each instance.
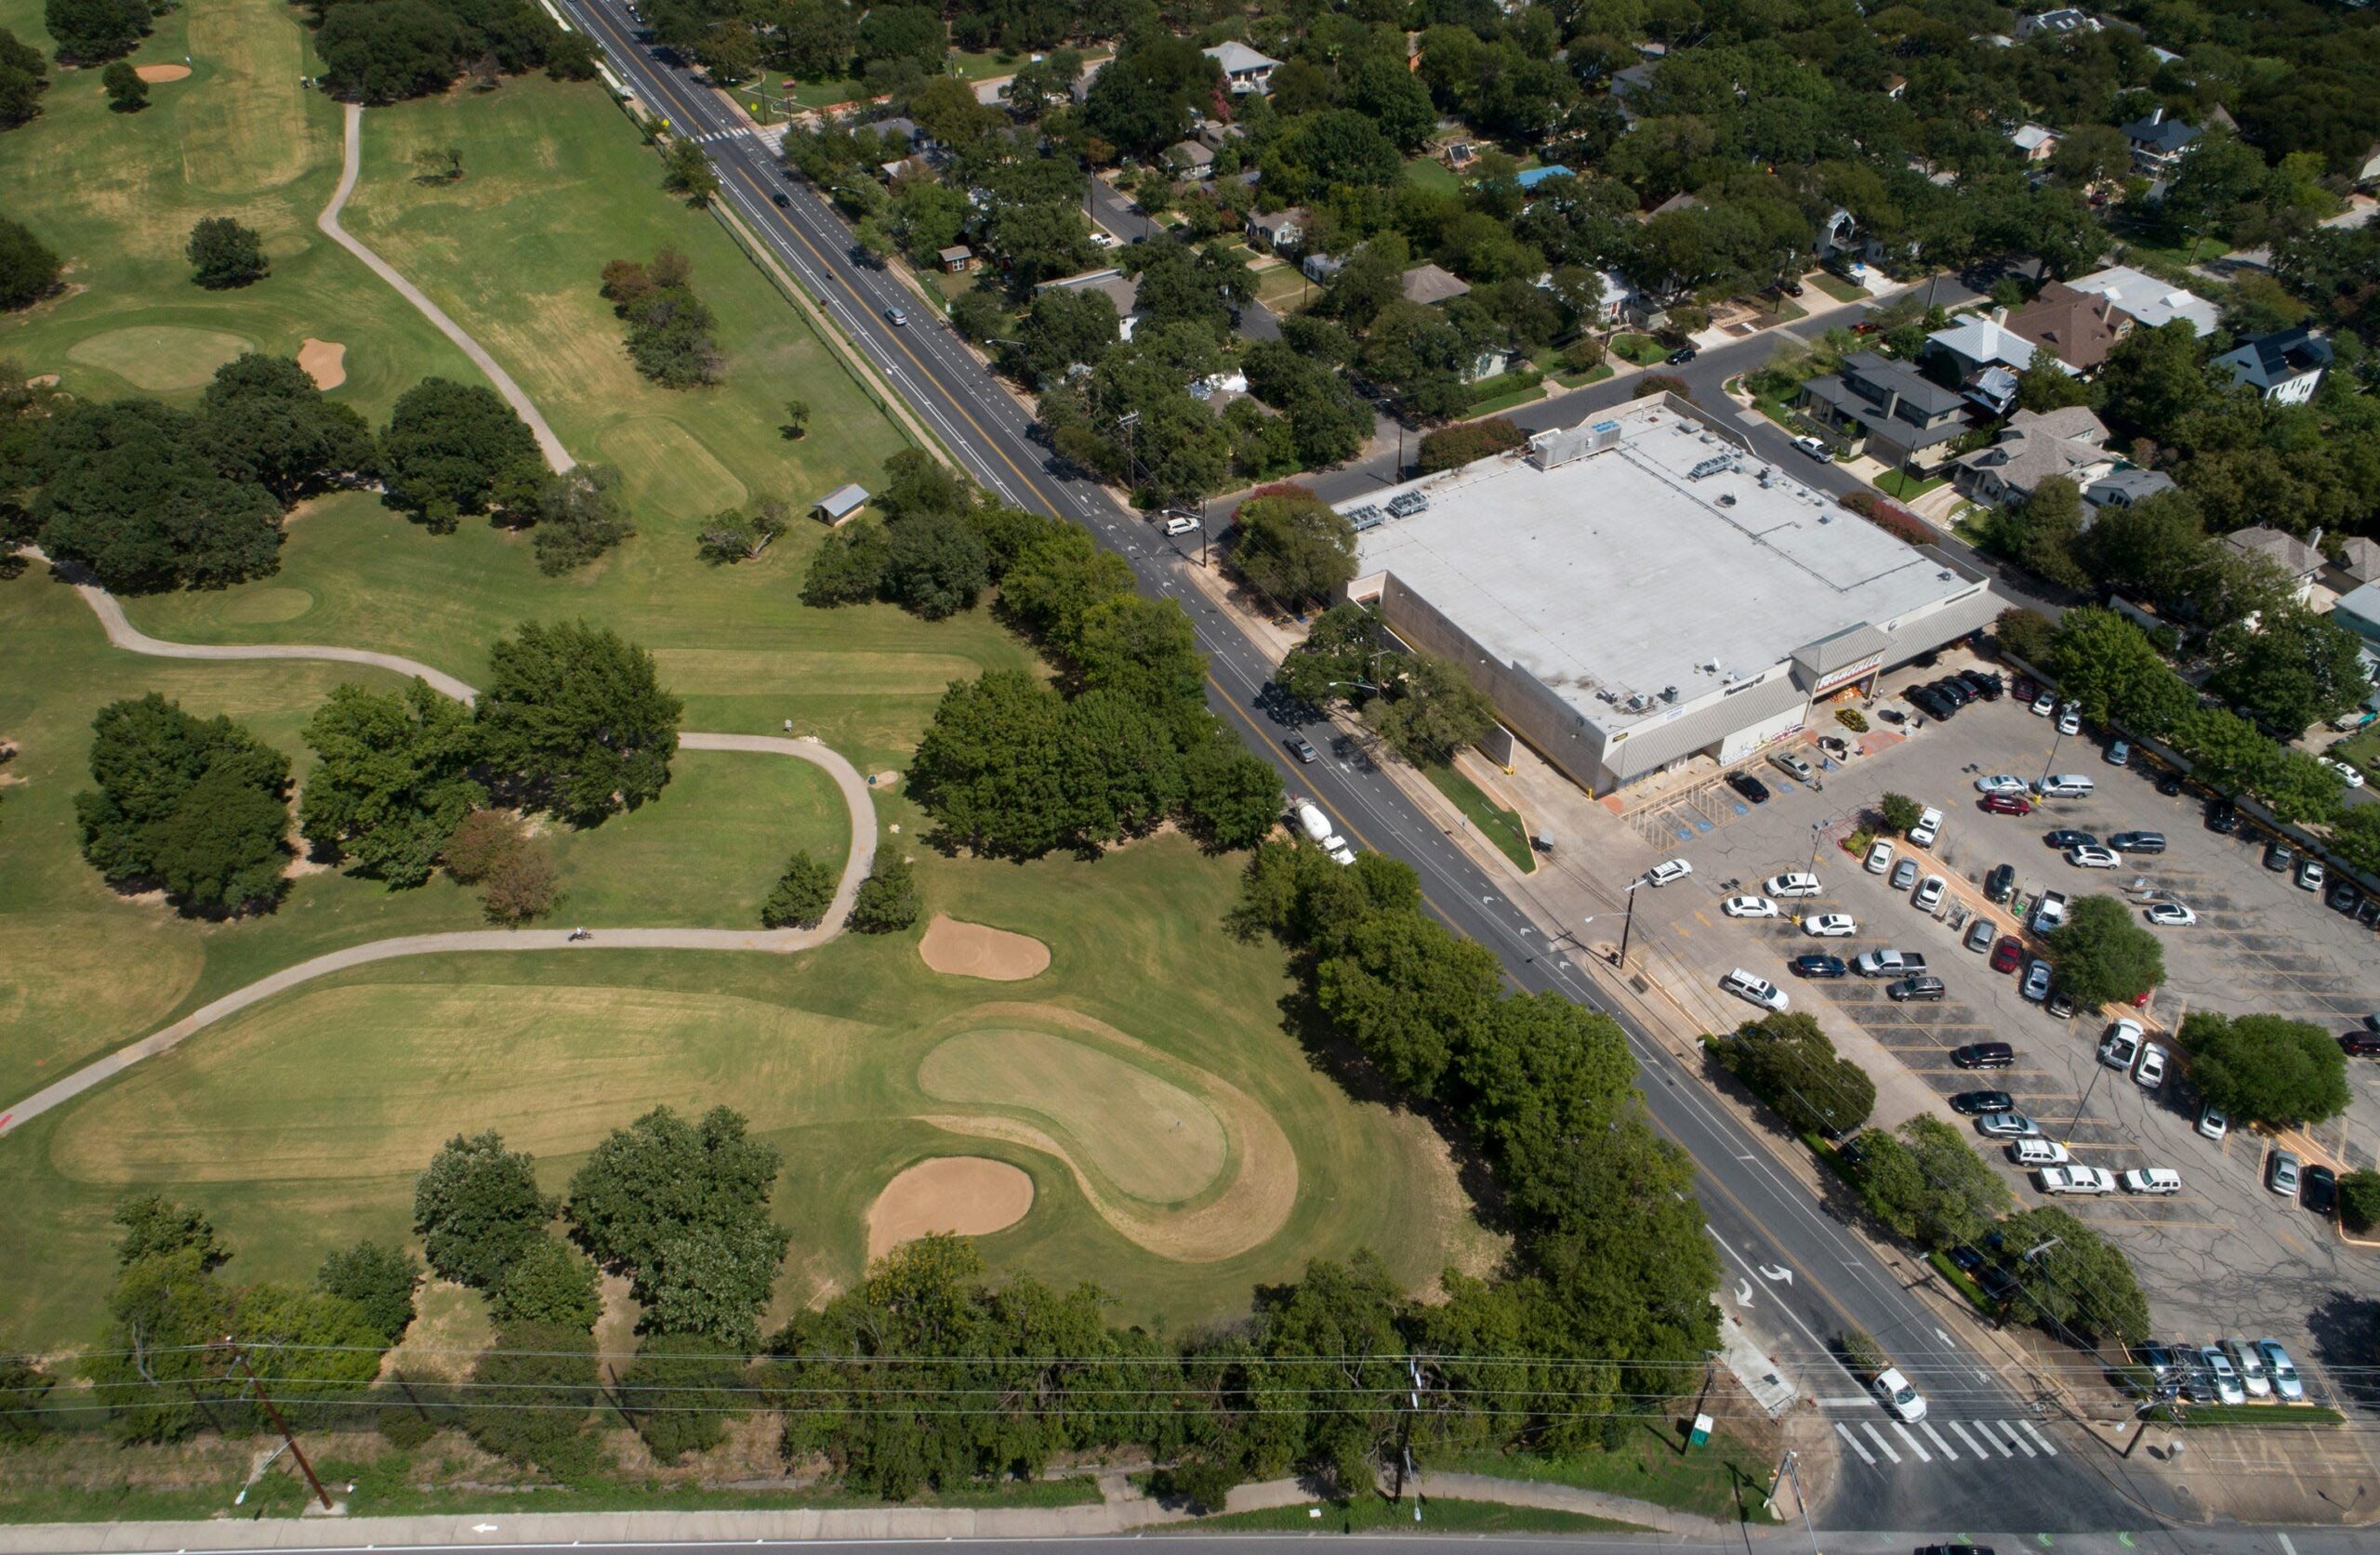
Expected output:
(1878, 1437)
(1995, 1441)
(2019, 1440)
(2035, 1431)
(1937, 1435)
(1922, 1455)
(1865, 1455)
(1960, 1432)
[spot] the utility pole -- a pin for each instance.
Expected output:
(1404, 1435)
(279, 1423)
(1796, 1475)
(1627, 926)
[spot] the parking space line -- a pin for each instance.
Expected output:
(1878, 1437)
(1988, 1436)
(1865, 1455)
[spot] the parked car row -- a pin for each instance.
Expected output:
(2232, 1372)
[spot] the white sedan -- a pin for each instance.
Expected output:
(2151, 1072)
(2000, 783)
(2173, 915)
(1829, 926)
(2347, 774)
(1667, 871)
(1930, 893)
(1749, 907)
(1791, 885)
(2094, 858)
(2046, 703)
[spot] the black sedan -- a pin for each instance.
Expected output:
(2317, 1190)
(1831, 965)
(1749, 787)
(1685, 354)
(2063, 838)
(2222, 817)
(1974, 1103)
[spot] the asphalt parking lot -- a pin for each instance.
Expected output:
(2222, 1257)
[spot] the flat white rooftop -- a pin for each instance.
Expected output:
(1618, 573)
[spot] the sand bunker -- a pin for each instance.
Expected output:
(153, 73)
(324, 361)
(963, 1193)
(42, 380)
(978, 950)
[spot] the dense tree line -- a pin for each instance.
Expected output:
(90, 32)
(377, 51)
(670, 330)
(25, 75)
(1788, 1062)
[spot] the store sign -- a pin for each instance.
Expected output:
(1849, 673)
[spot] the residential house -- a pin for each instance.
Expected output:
(2035, 446)
(1536, 175)
(903, 131)
(2149, 302)
(1628, 88)
(2065, 18)
(1983, 358)
(2367, 167)
(1887, 409)
(1679, 202)
(2360, 614)
(2359, 564)
(2300, 560)
(2125, 487)
(1320, 268)
(1489, 363)
(1189, 159)
(2159, 143)
(2035, 142)
(2286, 366)
(1430, 285)
(1895, 86)
(1122, 290)
(958, 259)
(2079, 328)
(1246, 69)
(1280, 229)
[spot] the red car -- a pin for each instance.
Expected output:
(2007, 804)
(2360, 1044)
(2006, 953)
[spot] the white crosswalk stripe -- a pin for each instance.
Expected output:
(1937, 1435)
(1961, 1431)
(1878, 1437)
(2034, 1432)
(1922, 1455)
(1925, 1445)
(2018, 1442)
(1865, 1455)
(1992, 1437)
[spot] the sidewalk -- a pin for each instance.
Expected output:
(1124, 1510)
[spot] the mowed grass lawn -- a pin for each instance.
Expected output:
(84, 969)
(301, 1124)
(115, 195)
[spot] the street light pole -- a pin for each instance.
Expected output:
(1818, 827)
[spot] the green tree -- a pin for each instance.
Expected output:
(2293, 670)
(126, 92)
(685, 170)
(390, 49)
(2102, 954)
(989, 767)
(23, 1386)
(23, 77)
(2070, 1279)
(89, 30)
(28, 270)
(392, 779)
(325, 1351)
(167, 1319)
(1431, 709)
(263, 419)
(888, 900)
(2108, 665)
(935, 565)
(1231, 798)
(1293, 545)
(380, 1281)
(1337, 658)
(2154, 378)
(521, 885)
(1928, 1184)
(223, 253)
(1900, 811)
(2301, 791)
(733, 534)
(575, 715)
(532, 1390)
(155, 1225)
(454, 448)
(579, 514)
(477, 1208)
(2360, 1201)
(2266, 1068)
(801, 894)
(1142, 648)
(127, 490)
(796, 425)
(1790, 1064)
(1410, 995)
(680, 1395)
(2356, 837)
(551, 1283)
(195, 805)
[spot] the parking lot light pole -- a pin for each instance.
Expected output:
(1817, 826)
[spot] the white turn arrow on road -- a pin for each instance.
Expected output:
(1743, 1293)
(1779, 1273)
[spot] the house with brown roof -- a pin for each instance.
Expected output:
(2037, 444)
(2076, 327)
(1429, 284)
(2299, 560)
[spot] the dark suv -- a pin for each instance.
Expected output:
(1984, 1055)
(2222, 817)
(1926, 989)
(1983, 682)
(2001, 883)
(2137, 842)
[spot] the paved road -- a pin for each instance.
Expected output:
(856, 801)
(1760, 1214)
(557, 456)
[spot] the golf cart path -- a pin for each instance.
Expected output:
(780, 940)
(557, 456)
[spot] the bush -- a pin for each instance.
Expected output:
(888, 899)
(1852, 718)
(539, 1384)
(1451, 447)
(1890, 516)
(2359, 1200)
(801, 896)
(380, 1280)
(411, 1410)
(551, 1282)
(485, 839)
(523, 886)
(1582, 355)
(680, 1394)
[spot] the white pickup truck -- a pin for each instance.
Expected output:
(2076, 1179)
(2049, 911)
(1889, 963)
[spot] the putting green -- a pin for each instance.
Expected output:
(1152, 1139)
(267, 605)
(159, 357)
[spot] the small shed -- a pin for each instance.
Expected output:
(839, 503)
(958, 259)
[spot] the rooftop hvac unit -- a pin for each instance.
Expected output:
(1367, 517)
(1669, 693)
(1559, 445)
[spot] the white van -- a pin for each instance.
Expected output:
(1928, 828)
(2064, 786)
(1759, 991)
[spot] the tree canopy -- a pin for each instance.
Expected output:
(2266, 1068)
(451, 449)
(576, 715)
(391, 780)
(2103, 955)
(197, 805)
(477, 1208)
